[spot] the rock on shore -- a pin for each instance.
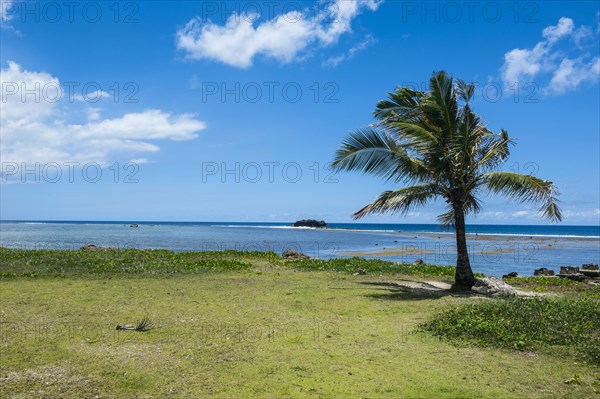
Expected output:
(588, 271)
(492, 287)
(291, 254)
(92, 247)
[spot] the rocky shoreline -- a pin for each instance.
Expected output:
(588, 272)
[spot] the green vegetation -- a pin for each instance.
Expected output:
(434, 142)
(26, 263)
(568, 326)
(555, 285)
(23, 263)
(238, 324)
(369, 266)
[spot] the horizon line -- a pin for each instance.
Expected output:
(133, 221)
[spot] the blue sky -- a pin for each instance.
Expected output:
(231, 111)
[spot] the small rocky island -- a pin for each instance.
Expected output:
(310, 223)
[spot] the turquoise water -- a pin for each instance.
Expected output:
(496, 249)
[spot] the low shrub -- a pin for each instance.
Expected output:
(564, 325)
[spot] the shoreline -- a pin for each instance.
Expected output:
(429, 234)
(517, 237)
(491, 254)
(389, 228)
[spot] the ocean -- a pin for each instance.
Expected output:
(494, 249)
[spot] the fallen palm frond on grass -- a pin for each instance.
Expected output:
(145, 324)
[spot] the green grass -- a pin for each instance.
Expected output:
(269, 329)
(549, 324)
(375, 266)
(45, 263)
(556, 285)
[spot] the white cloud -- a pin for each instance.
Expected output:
(564, 27)
(38, 130)
(583, 36)
(568, 71)
(520, 214)
(493, 215)
(91, 96)
(16, 102)
(571, 73)
(93, 114)
(336, 60)
(581, 214)
(139, 161)
(521, 64)
(283, 38)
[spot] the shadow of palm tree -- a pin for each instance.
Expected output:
(411, 290)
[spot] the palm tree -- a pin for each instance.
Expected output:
(435, 143)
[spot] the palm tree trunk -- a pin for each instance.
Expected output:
(463, 279)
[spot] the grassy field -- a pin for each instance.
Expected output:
(235, 325)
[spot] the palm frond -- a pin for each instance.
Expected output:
(526, 188)
(550, 210)
(375, 152)
(367, 150)
(470, 205)
(447, 218)
(465, 143)
(465, 90)
(441, 109)
(494, 151)
(401, 104)
(144, 324)
(415, 135)
(402, 200)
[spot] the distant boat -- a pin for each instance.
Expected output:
(133, 225)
